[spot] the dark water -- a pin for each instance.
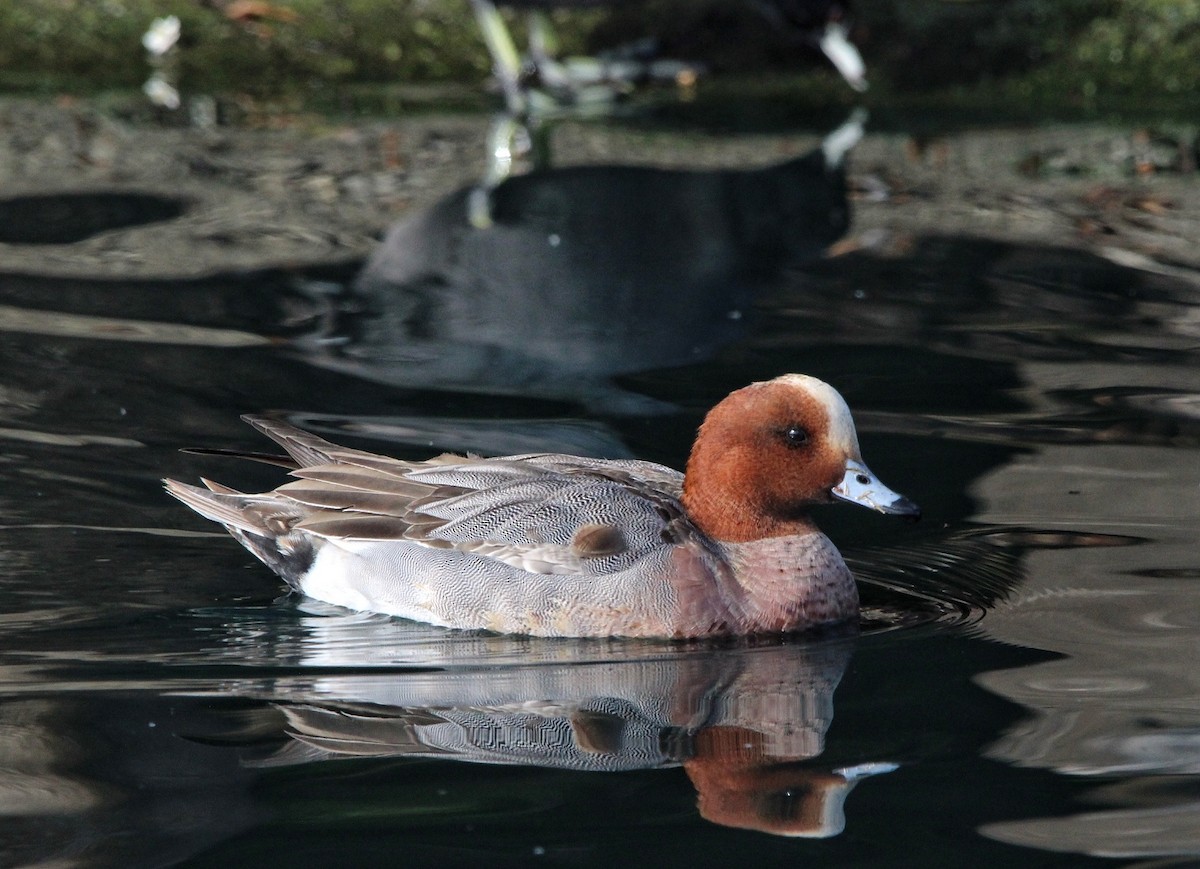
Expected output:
(1023, 690)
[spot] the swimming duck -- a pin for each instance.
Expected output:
(557, 545)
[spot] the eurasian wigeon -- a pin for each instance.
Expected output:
(557, 545)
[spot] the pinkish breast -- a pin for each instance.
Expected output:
(790, 583)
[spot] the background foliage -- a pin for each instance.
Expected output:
(1071, 49)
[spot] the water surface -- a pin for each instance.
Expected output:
(1023, 687)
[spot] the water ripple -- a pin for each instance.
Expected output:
(955, 579)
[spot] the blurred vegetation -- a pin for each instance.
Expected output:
(1050, 50)
(83, 46)
(1086, 52)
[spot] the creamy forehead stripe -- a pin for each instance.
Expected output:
(841, 424)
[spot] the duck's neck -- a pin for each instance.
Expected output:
(791, 582)
(728, 507)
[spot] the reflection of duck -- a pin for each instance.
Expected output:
(739, 721)
(556, 545)
(738, 784)
(586, 273)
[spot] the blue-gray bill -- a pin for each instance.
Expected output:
(860, 486)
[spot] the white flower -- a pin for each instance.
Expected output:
(162, 35)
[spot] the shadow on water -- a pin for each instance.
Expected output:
(160, 704)
(69, 217)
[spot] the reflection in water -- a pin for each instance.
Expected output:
(953, 578)
(1165, 830)
(539, 88)
(738, 720)
(462, 435)
(586, 273)
(69, 217)
(112, 784)
(142, 777)
(1122, 698)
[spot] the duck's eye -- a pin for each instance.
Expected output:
(795, 436)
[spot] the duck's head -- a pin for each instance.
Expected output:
(769, 452)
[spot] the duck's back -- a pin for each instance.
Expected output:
(542, 544)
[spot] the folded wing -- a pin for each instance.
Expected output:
(544, 513)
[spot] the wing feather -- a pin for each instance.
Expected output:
(545, 513)
(578, 519)
(357, 480)
(353, 526)
(328, 497)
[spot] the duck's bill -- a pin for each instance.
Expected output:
(860, 486)
(843, 55)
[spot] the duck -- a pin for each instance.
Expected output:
(554, 545)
